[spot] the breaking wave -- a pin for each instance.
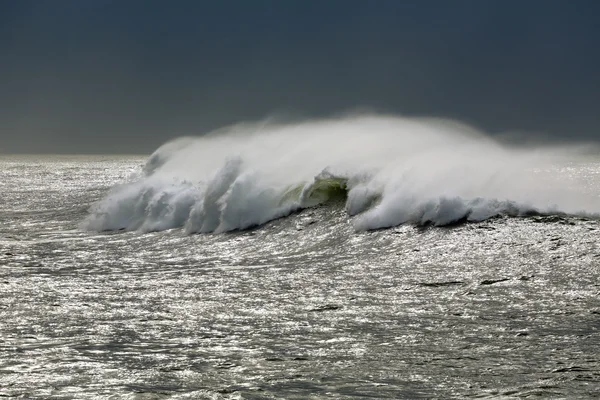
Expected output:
(387, 170)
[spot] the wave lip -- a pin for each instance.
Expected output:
(387, 170)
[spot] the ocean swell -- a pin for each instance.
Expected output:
(388, 171)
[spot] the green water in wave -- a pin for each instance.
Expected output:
(320, 191)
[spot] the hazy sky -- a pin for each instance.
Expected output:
(124, 76)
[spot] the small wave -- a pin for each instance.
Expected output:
(387, 171)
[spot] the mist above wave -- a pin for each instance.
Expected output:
(393, 170)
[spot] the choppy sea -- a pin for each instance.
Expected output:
(127, 277)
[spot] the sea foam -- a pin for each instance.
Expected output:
(393, 170)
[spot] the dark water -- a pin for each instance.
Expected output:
(303, 307)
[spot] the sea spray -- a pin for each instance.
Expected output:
(393, 171)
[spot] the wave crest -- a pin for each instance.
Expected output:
(388, 171)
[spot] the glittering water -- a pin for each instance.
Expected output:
(303, 307)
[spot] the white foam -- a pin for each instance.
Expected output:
(400, 170)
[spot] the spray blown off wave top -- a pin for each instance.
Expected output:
(388, 171)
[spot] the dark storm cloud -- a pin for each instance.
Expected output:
(124, 76)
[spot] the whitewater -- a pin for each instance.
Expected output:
(393, 171)
(361, 256)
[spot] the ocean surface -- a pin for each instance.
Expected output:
(250, 264)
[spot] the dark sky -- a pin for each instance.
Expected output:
(124, 76)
